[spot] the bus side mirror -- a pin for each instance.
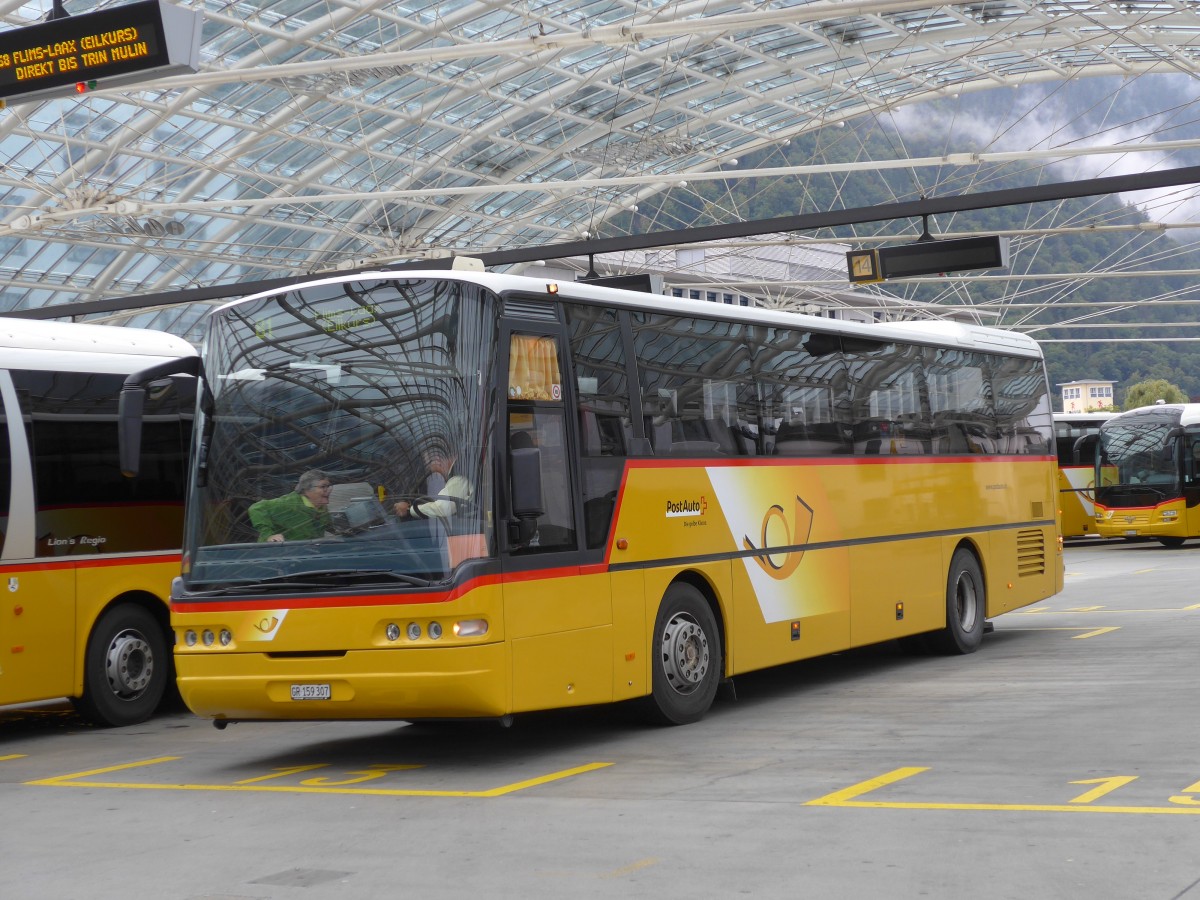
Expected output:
(1085, 442)
(132, 406)
(1173, 443)
(130, 409)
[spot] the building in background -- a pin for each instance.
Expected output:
(1086, 396)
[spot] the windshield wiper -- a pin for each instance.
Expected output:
(1131, 488)
(318, 579)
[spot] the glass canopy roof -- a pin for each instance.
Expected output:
(325, 134)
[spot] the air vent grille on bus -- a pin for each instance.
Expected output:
(527, 308)
(1031, 552)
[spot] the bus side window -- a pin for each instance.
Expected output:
(537, 419)
(605, 424)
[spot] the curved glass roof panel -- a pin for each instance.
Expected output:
(323, 133)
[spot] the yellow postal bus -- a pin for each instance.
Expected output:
(1147, 467)
(86, 556)
(513, 495)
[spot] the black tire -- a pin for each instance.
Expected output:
(687, 657)
(1172, 542)
(126, 669)
(966, 607)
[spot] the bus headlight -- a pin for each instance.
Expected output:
(435, 630)
(208, 637)
(414, 631)
(189, 638)
(1170, 513)
(225, 637)
(392, 631)
(471, 628)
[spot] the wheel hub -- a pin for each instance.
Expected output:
(967, 602)
(129, 664)
(685, 653)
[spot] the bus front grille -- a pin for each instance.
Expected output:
(1031, 552)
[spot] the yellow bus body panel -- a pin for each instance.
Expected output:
(1172, 519)
(798, 558)
(1075, 485)
(51, 608)
(344, 643)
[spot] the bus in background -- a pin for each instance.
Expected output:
(1148, 469)
(507, 495)
(1075, 470)
(87, 556)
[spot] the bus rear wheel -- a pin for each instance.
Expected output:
(686, 647)
(126, 668)
(966, 606)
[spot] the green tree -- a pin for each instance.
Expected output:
(1145, 393)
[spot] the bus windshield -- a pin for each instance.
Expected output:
(1139, 452)
(342, 438)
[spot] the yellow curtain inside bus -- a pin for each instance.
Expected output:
(533, 372)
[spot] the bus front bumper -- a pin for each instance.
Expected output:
(424, 683)
(1139, 524)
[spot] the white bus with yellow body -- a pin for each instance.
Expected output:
(512, 495)
(86, 556)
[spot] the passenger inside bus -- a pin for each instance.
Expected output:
(301, 514)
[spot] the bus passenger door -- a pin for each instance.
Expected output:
(558, 616)
(37, 612)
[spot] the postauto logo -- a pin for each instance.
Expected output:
(677, 509)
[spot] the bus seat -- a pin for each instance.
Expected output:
(342, 495)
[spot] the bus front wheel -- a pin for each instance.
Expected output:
(126, 668)
(1171, 542)
(687, 657)
(966, 606)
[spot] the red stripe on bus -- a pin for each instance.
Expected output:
(348, 600)
(847, 460)
(84, 562)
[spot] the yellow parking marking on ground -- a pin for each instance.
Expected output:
(84, 779)
(1097, 631)
(279, 773)
(849, 797)
(1100, 609)
(631, 868)
(845, 796)
(12, 756)
(1088, 632)
(1105, 786)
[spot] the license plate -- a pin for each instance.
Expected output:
(1132, 532)
(311, 692)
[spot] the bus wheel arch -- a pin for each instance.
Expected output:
(687, 652)
(127, 663)
(966, 603)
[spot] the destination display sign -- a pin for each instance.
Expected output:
(108, 48)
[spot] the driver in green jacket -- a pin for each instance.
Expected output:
(299, 515)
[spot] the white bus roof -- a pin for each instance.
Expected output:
(925, 332)
(77, 347)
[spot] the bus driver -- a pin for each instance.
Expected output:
(453, 487)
